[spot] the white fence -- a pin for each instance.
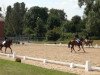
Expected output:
(60, 44)
(86, 66)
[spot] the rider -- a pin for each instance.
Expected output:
(77, 38)
(87, 38)
(4, 41)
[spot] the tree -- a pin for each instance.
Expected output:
(92, 12)
(9, 30)
(53, 35)
(60, 13)
(53, 21)
(28, 31)
(66, 26)
(14, 19)
(32, 14)
(93, 24)
(40, 30)
(1, 15)
(76, 23)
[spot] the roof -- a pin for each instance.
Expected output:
(1, 19)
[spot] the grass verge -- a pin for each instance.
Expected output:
(14, 68)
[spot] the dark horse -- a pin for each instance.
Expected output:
(7, 44)
(74, 43)
(88, 42)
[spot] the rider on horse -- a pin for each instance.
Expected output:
(76, 38)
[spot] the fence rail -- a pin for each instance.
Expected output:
(95, 46)
(86, 66)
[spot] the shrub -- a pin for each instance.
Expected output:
(53, 35)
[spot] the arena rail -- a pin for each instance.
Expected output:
(60, 44)
(87, 66)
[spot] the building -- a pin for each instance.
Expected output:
(1, 28)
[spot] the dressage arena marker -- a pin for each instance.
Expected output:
(87, 65)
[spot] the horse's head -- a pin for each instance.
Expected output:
(82, 39)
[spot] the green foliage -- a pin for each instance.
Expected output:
(8, 22)
(53, 21)
(14, 19)
(43, 23)
(66, 26)
(92, 12)
(53, 35)
(76, 24)
(66, 36)
(40, 29)
(27, 31)
(60, 13)
(32, 15)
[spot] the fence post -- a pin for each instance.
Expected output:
(96, 46)
(87, 66)
(8, 55)
(44, 61)
(24, 57)
(13, 54)
(72, 65)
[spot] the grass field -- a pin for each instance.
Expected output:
(15, 68)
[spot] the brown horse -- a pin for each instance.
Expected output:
(7, 44)
(88, 42)
(74, 43)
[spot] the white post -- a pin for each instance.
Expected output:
(24, 57)
(8, 55)
(87, 66)
(44, 61)
(72, 65)
(13, 54)
(96, 46)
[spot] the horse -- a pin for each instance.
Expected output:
(74, 43)
(7, 44)
(87, 42)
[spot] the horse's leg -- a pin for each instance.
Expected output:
(73, 49)
(10, 49)
(83, 48)
(5, 49)
(92, 44)
(1, 49)
(79, 48)
(89, 45)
